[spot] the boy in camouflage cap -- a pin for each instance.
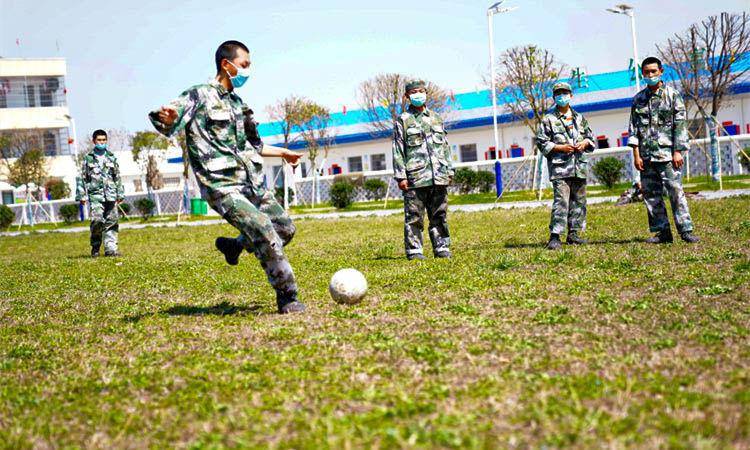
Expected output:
(423, 170)
(658, 136)
(565, 138)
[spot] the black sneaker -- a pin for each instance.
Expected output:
(574, 239)
(689, 237)
(414, 256)
(554, 243)
(289, 304)
(443, 254)
(112, 254)
(230, 248)
(94, 252)
(663, 237)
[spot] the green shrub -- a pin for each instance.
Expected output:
(69, 212)
(342, 193)
(6, 217)
(375, 188)
(57, 189)
(485, 181)
(465, 179)
(126, 208)
(279, 194)
(146, 207)
(608, 171)
(745, 159)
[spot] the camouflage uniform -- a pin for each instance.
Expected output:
(230, 175)
(658, 127)
(421, 155)
(101, 186)
(567, 171)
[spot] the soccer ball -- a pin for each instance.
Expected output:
(348, 286)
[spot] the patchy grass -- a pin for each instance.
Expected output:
(615, 344)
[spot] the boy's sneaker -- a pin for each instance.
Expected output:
(230, 248)
(443, 254)
(414, 256)
(554, 242)
(689, 237)
(663, 237)
(574, 239)
(289, 304)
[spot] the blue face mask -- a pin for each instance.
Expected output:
(242, 75)
(562, 99)
(653, 81)
(418, 99)
(100, 147)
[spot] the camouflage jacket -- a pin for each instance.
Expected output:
(100, 179)
(552, 131)
(214, 123)
(658, 124)
(421, 154)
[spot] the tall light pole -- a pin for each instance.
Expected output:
(496, 8)
(629, 11)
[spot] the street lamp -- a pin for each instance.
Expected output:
(629, 11)
(496, 8)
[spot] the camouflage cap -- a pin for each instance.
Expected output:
(414, 84)
(561, 86)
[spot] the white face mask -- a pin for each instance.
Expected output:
(418, 99)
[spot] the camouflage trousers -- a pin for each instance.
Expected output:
(568, 205)
(104, 218)
(655, 179)
(265, 229)
(435, 200)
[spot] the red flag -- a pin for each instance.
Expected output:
(344, 110)
(18, 42)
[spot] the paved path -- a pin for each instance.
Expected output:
(708, 195)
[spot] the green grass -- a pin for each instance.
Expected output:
(615, 344)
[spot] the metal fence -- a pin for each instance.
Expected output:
(518, 173)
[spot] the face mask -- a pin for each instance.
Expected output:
(653, 81)
(418, 99)
(242, 75)
(562, 99)
(100, 147)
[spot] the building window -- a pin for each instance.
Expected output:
(31, 96)
(378, 162)
(50, 144)
(468, 152)
(278, 176)
(303, 170)
(355, 164)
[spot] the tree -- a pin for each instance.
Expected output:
(382, 100)
(315, 129)
(146, 146)
(23, 158)
(704, 59)
(525, 77)
(286, 114)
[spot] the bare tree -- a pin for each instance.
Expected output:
(146, 152)
(315, 129)
(703, 58)
(23, 158)
(382, 99)
(286, 114)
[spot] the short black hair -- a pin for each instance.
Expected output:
(98, 133)
(651, 60)
(228, 50)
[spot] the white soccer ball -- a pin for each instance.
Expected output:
(348, 286)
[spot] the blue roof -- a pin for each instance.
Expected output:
(483, 99)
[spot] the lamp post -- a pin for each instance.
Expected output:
(496, 8)
(629, 11)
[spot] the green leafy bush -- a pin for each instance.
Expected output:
(465, 179)
(126, 207)
(485, 181)
(146, 207)
(57, 189)
(342, 193)
(6, 217)
(745, 159)
(608, 171)
(69, 212)
(279, 194)
(375, 188)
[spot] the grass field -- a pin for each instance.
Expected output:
(616, 344)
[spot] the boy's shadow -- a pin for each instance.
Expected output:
(520, 245)
(220, 309)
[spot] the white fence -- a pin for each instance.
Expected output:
(518, 174)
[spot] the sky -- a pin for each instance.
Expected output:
(126, 58)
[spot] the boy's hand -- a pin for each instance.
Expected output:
(292, 157)
(638, 162)
(678, 160)
(565, 148)
(168, 115)
(403, 185)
